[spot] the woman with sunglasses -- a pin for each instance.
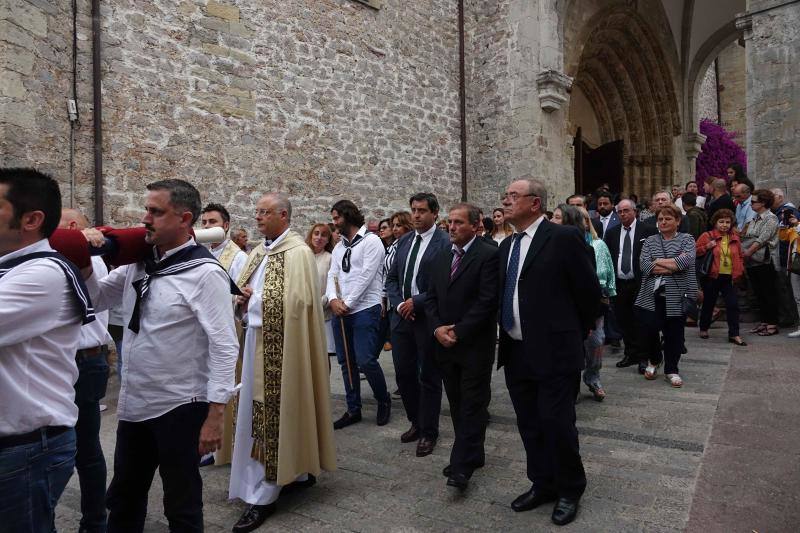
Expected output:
(759, 243)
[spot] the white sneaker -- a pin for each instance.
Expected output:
(794, 334)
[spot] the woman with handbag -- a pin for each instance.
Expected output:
(759, 242)
(669, 289)
(721, 267)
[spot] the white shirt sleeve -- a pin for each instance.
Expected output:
(238, 264)
(374, 254)
(29, 297)
(333, 272)
(211, 304)
(107, 292)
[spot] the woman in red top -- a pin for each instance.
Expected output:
(726, 269)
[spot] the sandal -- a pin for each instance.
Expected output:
(703, 334)
(768, 331)
(597, 392)
(674, 380)
(759, 328)
(650, 371)
(739, 342)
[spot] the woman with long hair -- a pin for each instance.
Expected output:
(399, 225)
(726, 268)
(320, 240)
(606, 275)
(502, 229)
(668, 279)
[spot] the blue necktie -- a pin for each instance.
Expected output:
(507, 313)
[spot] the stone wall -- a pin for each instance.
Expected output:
(35, 83)
(510, 136)
(773, 96)
(733, 90)
(707, 96)
(322, 99)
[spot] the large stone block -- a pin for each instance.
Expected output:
(11, 85)
(16, 59)
(26, 16)
(227, 12)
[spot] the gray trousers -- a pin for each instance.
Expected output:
(593, 353)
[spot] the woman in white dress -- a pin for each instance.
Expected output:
(320, 240)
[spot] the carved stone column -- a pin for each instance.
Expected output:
(693, 144)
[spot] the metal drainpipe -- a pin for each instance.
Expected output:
(462, 95)
(97, 115)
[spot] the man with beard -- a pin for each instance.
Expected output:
(607, 217)
(178, 372)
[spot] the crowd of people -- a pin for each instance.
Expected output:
(225, 350)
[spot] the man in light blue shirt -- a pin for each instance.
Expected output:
(744, 211)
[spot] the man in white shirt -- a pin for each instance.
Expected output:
(180, 354)
(227, 252)
(354, 294)
(44, 303)
(89, 390)
(232, 259)
(413, 346)
(691, 186)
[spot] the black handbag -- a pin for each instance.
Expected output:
(705, 264)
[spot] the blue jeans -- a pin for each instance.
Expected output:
(363, 337)
(32, 478)
(89, 461)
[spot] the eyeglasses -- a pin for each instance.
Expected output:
(513, 196)
(262, 212)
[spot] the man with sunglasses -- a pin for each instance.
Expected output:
(354, 293)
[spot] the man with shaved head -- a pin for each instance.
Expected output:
(90, 388)
(284, 434)
(719, 197)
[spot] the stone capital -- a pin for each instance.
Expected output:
(744, 23)
(553, 87)
(693, 144)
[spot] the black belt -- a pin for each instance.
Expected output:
(32, 437)
(88, 353)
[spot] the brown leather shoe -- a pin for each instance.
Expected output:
(425, 446)
(410, 436)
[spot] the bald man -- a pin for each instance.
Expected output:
(719, 199)
(90, 388)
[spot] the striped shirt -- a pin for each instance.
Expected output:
(391, 251)
(678, 284)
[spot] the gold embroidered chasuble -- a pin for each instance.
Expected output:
(292, 428)
(228, 255)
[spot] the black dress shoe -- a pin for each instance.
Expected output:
(642, 368)
(253, 517)
(410, 436)
(531, 499)
(446, 471)
(298, 485)
(425, 446)
(625, 362)
(565, 511)
(384, 413)
(458, 480)
(347, 419)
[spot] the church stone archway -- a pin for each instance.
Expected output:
(623, 90)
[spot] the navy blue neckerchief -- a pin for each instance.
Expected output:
(71, 272)
(185, 259)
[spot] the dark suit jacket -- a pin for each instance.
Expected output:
(488, 240)
(395, 276)
(598, 224)
(723, 202)
(642, 232)
(469, 301)
(559, 300)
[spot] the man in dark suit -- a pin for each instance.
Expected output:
(607, 218)
(550, 299)
(461, 309)
(418, 378)
(625, 245)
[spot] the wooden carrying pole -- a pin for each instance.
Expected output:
(344, 335)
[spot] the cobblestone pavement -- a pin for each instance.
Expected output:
(642, 448)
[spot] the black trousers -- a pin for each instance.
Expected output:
(636, 338)
(169, 443)
(418, 377)
(712, 288)
(467, 382)
(672, 328)
(545, 409)
(762, 278)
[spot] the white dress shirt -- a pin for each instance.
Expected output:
(622, 236)
(40, 324)
(604, 220)
(186, 348)
(701, 202)
(423, 245)
(361, 287)
(95, 333)
(256, 282)
(524, 245)
(239, 260)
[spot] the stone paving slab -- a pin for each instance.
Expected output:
(642, 449)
